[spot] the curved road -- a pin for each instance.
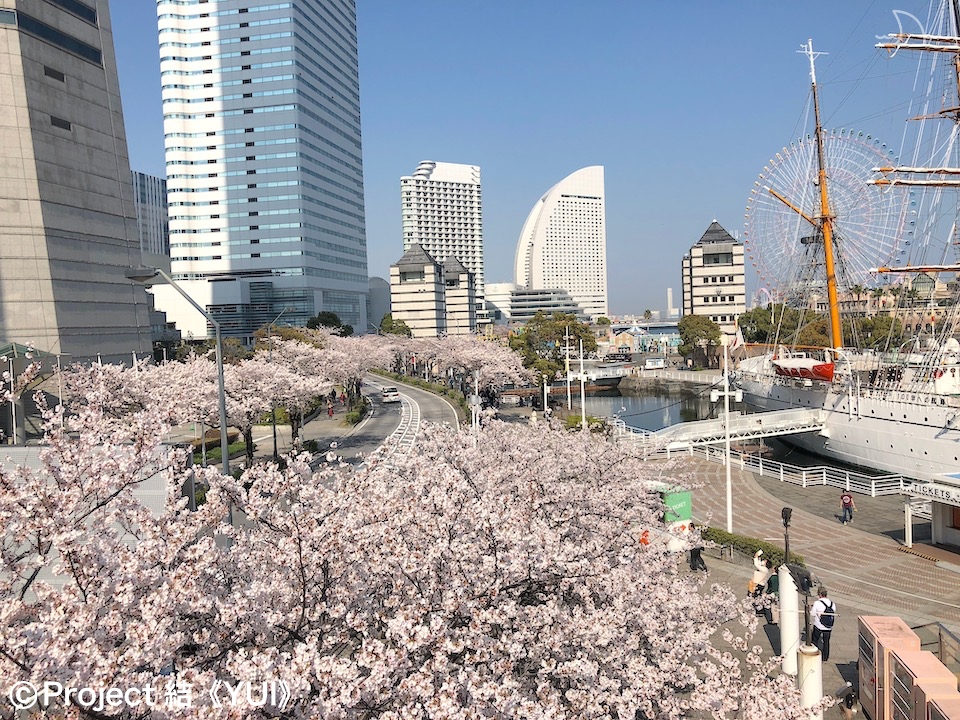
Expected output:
(397, 424)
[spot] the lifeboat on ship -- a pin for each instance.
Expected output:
(803, 366)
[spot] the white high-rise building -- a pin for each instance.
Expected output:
(261, 105)
(441, 211)
(563, 244)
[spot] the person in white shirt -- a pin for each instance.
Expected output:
(760, 574)
(823, 613)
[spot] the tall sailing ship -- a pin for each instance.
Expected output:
(892, 410)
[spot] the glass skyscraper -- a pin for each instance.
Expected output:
(261, 106)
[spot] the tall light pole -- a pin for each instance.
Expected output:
(143, 274)
(738, 396)
(13, 398)
(583, 392)
(273, 404)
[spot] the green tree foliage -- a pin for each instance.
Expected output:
(879, 332)
(697, 331)
(647, 314)
(814, 332)
(760, 326)
(330, 320)
(603, 320)
(542, 339)
(389, 326)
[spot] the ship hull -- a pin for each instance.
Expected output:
(894, 432)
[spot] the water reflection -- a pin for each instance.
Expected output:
(657, 411)
(654, 412)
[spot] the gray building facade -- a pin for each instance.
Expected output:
(67, 224)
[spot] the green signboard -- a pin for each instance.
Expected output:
(679, 504)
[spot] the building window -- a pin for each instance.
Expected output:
(59, 39)
(60, 123)
(55, 74)
(955, 517)
(81, 10)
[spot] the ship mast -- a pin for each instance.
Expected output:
(825, 217)
(940, 176)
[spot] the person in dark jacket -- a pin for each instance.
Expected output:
(772, 607)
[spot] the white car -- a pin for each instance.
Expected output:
(390, 395)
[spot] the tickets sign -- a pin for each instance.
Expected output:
(949, 494)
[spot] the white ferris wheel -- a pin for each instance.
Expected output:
(781, 239)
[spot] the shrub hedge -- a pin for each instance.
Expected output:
(749, 546)
(357, 412)
(213, 453)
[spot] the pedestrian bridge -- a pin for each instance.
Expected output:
(743, 428)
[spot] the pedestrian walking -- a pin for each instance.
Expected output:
(696, 559)
(847, 506)
(823, 613)
(772, 606)
(760, 574)
(343, 398)
(329, 408)
(757, 584)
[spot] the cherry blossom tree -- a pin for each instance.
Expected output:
(514, 573)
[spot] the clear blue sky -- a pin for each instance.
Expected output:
(682, 103)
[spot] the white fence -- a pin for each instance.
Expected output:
(852, 480)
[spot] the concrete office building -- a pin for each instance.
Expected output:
(441, 210)
(261, 106)
(714, 281)
(432, 298)
(563, 243)
(417, 293)
(67, 225)
(153, 225)
(378, 302)
(460, 298)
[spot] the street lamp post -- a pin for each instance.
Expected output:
(583, 392)
(143, 274)
(273, 404)
(726, 393)
(13, 400)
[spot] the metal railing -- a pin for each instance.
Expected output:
(935, 638)
(710, 378)
(872, 485)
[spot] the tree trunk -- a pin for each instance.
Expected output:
(248, 439)
(295, 422)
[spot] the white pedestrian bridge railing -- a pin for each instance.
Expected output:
(655, 449)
